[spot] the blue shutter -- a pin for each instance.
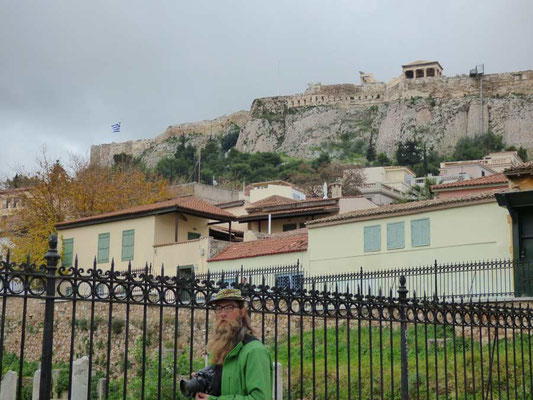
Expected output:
(68, 250)
(127, 244)
(103, 248)
(372, 238)
(395, 235)
(420, 232)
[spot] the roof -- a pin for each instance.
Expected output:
(288, 242)
(393, 167)
(14, 190)
(266, 183)
(421, 62)
(406, 208)
(279, 207)
(230, 204)
(525, 168)
(491, 180)
(187, 204)
(271, 200)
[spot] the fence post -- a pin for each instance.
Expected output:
(52, 257)
(436, 296)
(402, 294)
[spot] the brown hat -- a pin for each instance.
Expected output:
(227, 294)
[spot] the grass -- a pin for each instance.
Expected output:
(380, 371)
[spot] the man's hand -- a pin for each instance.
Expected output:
(201, 396)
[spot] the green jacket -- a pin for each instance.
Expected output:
(247, 373)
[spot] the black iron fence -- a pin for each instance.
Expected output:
(325, 344)
(486, 280)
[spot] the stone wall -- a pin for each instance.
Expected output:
(63, 323)
(197, 133)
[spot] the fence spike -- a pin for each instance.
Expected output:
(162, 270)
(8, 256)
(94, 263)
(76, 263)
(112, 265)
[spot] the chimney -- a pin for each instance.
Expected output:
(336, 189)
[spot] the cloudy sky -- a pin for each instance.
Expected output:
(70, 69)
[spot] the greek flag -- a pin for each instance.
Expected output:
(116, 127)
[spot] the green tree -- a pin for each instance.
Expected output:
(382, 160)
(477, 147)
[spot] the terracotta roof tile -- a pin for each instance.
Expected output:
(525, 167)
(393, 209)
(484, 180)
(184, 204)
(295, 241)
(271, 201)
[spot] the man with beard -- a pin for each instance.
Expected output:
(243, 366)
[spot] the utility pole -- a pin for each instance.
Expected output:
(199, 162)
(478, 72)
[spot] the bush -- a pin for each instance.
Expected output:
(117, 325)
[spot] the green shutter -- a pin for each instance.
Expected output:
(372, 238)
(127, 244)
(68, 250)
(420, 232)
(395, 235)
(193, 235)
(103, 248)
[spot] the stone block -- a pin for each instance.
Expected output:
(100, 388)
(36, 384)
(8, 388)
(80, 378)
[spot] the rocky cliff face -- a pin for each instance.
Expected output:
(305, 131)
(330, 118)
(152, 150)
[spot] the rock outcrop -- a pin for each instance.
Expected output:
(438, 110)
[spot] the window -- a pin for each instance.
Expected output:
(420, 232)
(185, 272)
(289, 227)
(372, 238)
(290, 281)
(302, 225)
(193, 235)
(103, 248)
(395, 235)
(68, 250)
(128, 240)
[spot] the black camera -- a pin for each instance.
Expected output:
(201, 383)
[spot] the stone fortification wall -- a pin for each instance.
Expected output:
(197, 132)
(346, 95)
(440, 110)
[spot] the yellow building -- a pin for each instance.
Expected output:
(411, 234)
(174, 233)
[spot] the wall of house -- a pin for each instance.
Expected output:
(467, 233)
(374, 174)
(272, 190)
(466, 191)
(521, 183)
(165, 227)
(259, 262)
(277, 224)
(237, 211)
(473, 170)
(347, 204)
(86, 242)
(172, 255)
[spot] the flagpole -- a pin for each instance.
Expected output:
(199, 163)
